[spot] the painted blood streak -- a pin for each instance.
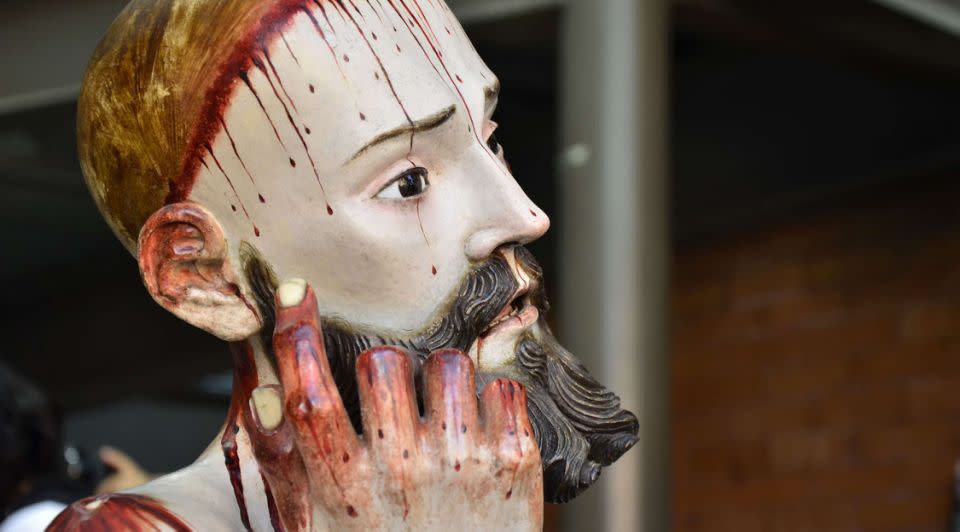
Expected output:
(246, 79)
(287, 44)
(383, 69)
(395, 95)
(273, 69)
(275, 520)
(259, 64)
(323, 37)
(424, 233)
(235, 152)
(375, 12)
(440, 59)
(209, 149)
(244, 381)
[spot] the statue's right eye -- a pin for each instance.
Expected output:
(410, 184)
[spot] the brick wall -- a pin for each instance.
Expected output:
(816, 369)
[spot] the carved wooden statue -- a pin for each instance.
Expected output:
(347, 146)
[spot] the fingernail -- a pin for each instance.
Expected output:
(292, 292)
(267, 407)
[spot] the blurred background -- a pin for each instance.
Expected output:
(756, 243)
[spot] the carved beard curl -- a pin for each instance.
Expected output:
(578, 423)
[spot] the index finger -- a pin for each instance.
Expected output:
(323, 431)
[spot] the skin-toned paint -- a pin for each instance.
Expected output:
(307, 121)
(392, 248)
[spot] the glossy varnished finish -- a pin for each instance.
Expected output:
(117, 512)
(348, 147)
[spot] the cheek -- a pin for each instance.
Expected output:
(381, 264)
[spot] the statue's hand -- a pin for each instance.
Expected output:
(458, 466)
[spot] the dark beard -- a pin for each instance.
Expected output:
(578, 423)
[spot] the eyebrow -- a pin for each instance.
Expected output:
(431, 122)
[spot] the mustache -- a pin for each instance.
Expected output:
(486, 289)
(578, 423)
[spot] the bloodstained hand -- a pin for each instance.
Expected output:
(459, 465)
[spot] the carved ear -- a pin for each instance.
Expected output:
(185, 267)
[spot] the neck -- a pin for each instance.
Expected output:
(251, 368)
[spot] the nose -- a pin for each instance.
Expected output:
(505, 215)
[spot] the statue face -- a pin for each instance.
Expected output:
(359, 153)
(349, 143)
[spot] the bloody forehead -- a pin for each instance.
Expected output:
(154, 98)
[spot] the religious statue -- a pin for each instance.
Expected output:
(320, 184)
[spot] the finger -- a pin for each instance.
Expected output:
(117, 459)
(280, 463)
(388, 404)
(312, 404)
(450, 404)
(508, 432)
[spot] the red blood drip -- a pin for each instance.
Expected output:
(293, 124)
(275, 521)
(434, 270)
(436, 41)
(439, 55)
(420, 221)
(329, 210)
(256, 230)
(246, 79)
(229, 182)
(235, 152)
(244, 381)
(375, 12)
(533, 213)
(323, 37)
(293, 55)
(393, 89)
(312, 88)
(456, 467)
(351, 511)
(276, 74)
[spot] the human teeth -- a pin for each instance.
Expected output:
(512, 314)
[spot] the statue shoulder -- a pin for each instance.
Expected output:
(120, 512)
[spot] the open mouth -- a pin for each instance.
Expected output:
(519, 312)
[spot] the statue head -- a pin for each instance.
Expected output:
(231, 143)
